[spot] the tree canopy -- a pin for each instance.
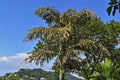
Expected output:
(70, 34)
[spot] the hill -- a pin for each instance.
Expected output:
(36, 74)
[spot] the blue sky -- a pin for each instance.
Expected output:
(17, 17)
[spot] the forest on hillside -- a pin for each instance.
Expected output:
(35, 74)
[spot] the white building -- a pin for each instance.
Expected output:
(42, 78)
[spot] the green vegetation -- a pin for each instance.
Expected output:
(35, 74)
(66, 37)
(1, 78)
(13, 77)
(114, 5)
(107, 71)
(103, 71)
(71, 34)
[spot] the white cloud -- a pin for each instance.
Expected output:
(7, 59)
(18, 56)
(3, 59)
(15, 62)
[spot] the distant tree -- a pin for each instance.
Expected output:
(1, 78)
(114, 5)
(36, 74)
(66, 38)
(13, 77)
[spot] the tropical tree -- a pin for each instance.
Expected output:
(13, 77)
(108, 35)
(65, 39)
(103, 71)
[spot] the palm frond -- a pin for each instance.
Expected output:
(87, 44)
(48, 33)
(34, 33)
(50, 15)
(40, 56)
(107, 70)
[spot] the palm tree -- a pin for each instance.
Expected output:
(107, 71)
(58, 41)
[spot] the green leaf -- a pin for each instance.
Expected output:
(109, 9)
(114, 10)
(119, 6)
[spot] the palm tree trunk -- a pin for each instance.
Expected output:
(61, 69)
(61, 74)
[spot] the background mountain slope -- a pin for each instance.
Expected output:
(36, 74)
